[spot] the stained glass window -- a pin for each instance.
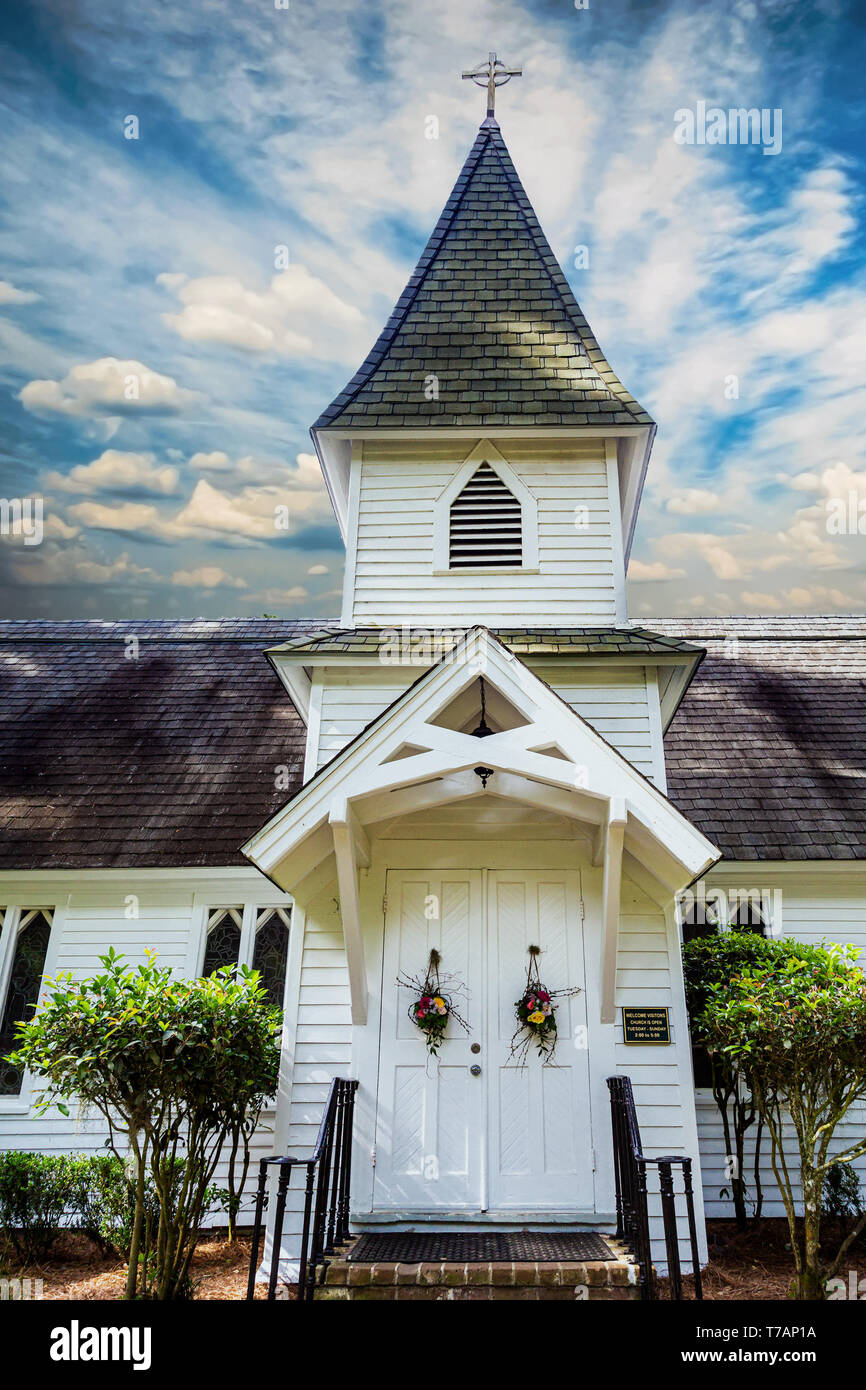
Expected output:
(223, 938)
(25, 979)
(271, 949)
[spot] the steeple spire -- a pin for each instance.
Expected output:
(491, 75)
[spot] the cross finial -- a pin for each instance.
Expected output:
(491, 75)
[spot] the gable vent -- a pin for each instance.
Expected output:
(486, 524)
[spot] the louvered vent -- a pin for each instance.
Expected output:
(485, 524)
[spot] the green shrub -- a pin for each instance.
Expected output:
(176, 1067)
(36, 1192)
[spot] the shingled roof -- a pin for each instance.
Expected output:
(170, 758)
(767, 752)
(162, 759)
(523, 641)
(489, 314)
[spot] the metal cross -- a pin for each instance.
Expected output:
(491, 75)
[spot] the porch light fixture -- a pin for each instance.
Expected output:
(482, 730)
(484, 772)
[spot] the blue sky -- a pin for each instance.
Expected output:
(236, 260)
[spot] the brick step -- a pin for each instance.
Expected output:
(527, 1281)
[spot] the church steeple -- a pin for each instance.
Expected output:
(485, 460)
(487, 331)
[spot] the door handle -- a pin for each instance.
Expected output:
(476, 1070)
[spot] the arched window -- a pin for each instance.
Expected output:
(749, 915)
(223, 938)
(22, 990)
(486, 524)
(700, 920)
(271, 950)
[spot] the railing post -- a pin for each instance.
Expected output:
(305, 1235)
(334, 1165)
(345, 1196)
(277, 1235)
(693, 1232)
(257, 1227)
(669, 1220)
(644, 1245)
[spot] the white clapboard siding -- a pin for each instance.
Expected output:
(614, 702)
(578, 570)
(91, 922)
(663, 1102)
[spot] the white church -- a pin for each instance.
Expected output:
(481, 754)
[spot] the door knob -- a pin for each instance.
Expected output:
(476, 1070)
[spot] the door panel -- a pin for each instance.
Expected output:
(430, 1115)
(514, 1137)
(540, 1136)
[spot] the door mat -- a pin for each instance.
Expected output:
(478, 1247)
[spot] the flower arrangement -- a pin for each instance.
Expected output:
(536, 1014)
(432, 1007)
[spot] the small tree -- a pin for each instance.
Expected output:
(798, 1030)
(710, 964)
(174, 1066)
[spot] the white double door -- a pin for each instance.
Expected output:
(471, 1130)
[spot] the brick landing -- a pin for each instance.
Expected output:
(517, 1281)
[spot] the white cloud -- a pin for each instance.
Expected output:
(10, 295)
(107, 386)
(207, 577)
(693, 501)
(760, 601)
(138, 517)
(117, 471)
(64, 568)
(216, 462)
(297, 315)
(318, 569)
(637, 569)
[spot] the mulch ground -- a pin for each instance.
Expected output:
(754, 1265)
(76, 1269)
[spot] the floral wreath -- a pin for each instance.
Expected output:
(536, 1015)
(432, 1007)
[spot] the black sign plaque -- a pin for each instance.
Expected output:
(650, 1025)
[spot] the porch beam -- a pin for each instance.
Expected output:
(611, 900)
(344, 830)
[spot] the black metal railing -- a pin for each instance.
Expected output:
(632, 1210)
(327, 1188)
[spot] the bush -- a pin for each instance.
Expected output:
(712, 963)
(798, 1031)
(43, 1194)
(176, 1067)
(36, 1192)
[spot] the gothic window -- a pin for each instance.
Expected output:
(223, 938)
(486, 526)
(254, 936)
(749, 916)
(271, 949)
(32, 935)
(700, 920)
